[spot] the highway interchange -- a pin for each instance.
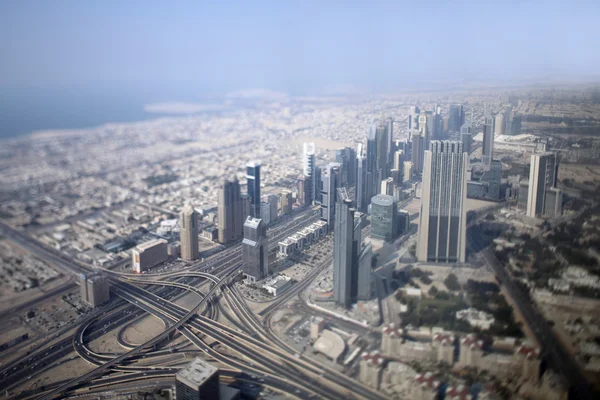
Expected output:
(256, 356)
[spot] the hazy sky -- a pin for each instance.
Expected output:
(288, 45)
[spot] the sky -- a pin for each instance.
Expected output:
(167, 50)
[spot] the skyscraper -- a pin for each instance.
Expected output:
(398, 159)
(361, 181)
(346, 157)
(466, 136)
(455, 117)
(381, 134)
(351, 265)
(255, 250)
(371, 174)
(418, 151)
(188, 224)
(442, 225)
(342, 253)
(308, 169)
(407, 172)
(489, 128)
(413, 120)
(330, 183)
(230, 211)
(286, 202)
(384, 214)
(387, 186)
(253, 177)
(542, 177)
(389, 128)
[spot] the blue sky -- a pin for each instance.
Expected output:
(175, 46)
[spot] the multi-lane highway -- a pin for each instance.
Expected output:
(270, 358)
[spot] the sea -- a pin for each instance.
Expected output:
(27, 110)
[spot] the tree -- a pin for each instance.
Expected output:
(452, 283)
(433, 291)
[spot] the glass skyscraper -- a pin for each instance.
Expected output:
(442, 225)
(253, 177)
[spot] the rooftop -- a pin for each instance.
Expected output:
(150, 243)
(330, 344)
(197, 372)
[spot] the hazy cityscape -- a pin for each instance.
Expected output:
(439, 242)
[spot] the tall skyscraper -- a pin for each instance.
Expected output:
(346, 157)
(308, 169)
(230, 211)
(389, 128)
(418, 151)
(361, 181)
(413, 120)
(455, 117)
(188, 224)
(351, 265)
(330, 180)
(371, 174)
(303, 195)
(442, 226)
(542, 177)
(381, 134)
(342, 253)
(398, 159)
(489, 128)
(255, 250)
(317, 185)
(466, 136)
(499, 124)
(408, 171)
(286, 202)
(253, 177)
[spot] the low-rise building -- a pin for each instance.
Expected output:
(277, 285)
(330, 344)
(470, 351)
(316, 326)
(371, 369)
(425, 387)
(476, 318)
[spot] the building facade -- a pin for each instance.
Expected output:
(231, 211)
(489, 128)
(255, 250)
(188, 224)
(442, 226)
(147, 255)
(383, 217)
(542, 177)
(253, 178)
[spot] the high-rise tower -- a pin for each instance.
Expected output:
(188, 224)
(542, 177)
(255, 250)
(308, 169)
(230, 211)
(442, 226)
(330, 179)
(253, 177)
(489, 128)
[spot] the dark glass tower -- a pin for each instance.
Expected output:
(253, 176)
